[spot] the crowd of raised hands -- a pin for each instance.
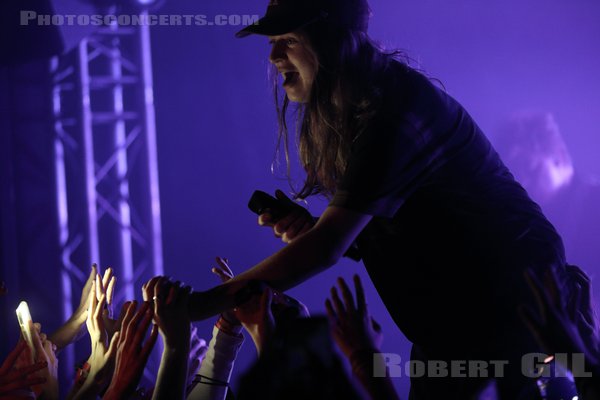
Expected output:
(297, 356)
(120, 344)
(565, 322)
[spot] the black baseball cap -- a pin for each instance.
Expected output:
(284, 16)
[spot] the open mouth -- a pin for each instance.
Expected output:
(290, 78)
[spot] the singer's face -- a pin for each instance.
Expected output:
(295, 60)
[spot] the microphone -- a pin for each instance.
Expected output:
(262, 202)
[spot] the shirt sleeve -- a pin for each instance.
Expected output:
(216, 367)
(401, 150)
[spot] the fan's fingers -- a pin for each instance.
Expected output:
(110, 290)
(330, 312)
(346, 295)
(126, 326)
(538, 292)
(99, 287)
(93, 302)
(108, 274)
(361, 301)
(91, 277)
(145, 353)
(143, 319)
(575, 304)
(338, 306)
(12, 356)
(376, 326)
(222, 275)
(112, 347)
(224, 264)
(99, 309)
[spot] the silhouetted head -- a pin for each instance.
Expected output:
(299, 362)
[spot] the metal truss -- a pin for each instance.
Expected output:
(106, 164)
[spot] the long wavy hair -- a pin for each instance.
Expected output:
(345, 97)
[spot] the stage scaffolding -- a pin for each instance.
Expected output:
(106, 165)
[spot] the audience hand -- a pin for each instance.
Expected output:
(359, 337)
(171, 317)
(256, 319)
(20, 378)
(225, 273)
(72, 329)
(45, 353)
(102, 357)
(255, 315)
(106, 286)
(132, 354)
(222, 270)
(581, 308)
(552, 325)
(351, 326)
(170, 313)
